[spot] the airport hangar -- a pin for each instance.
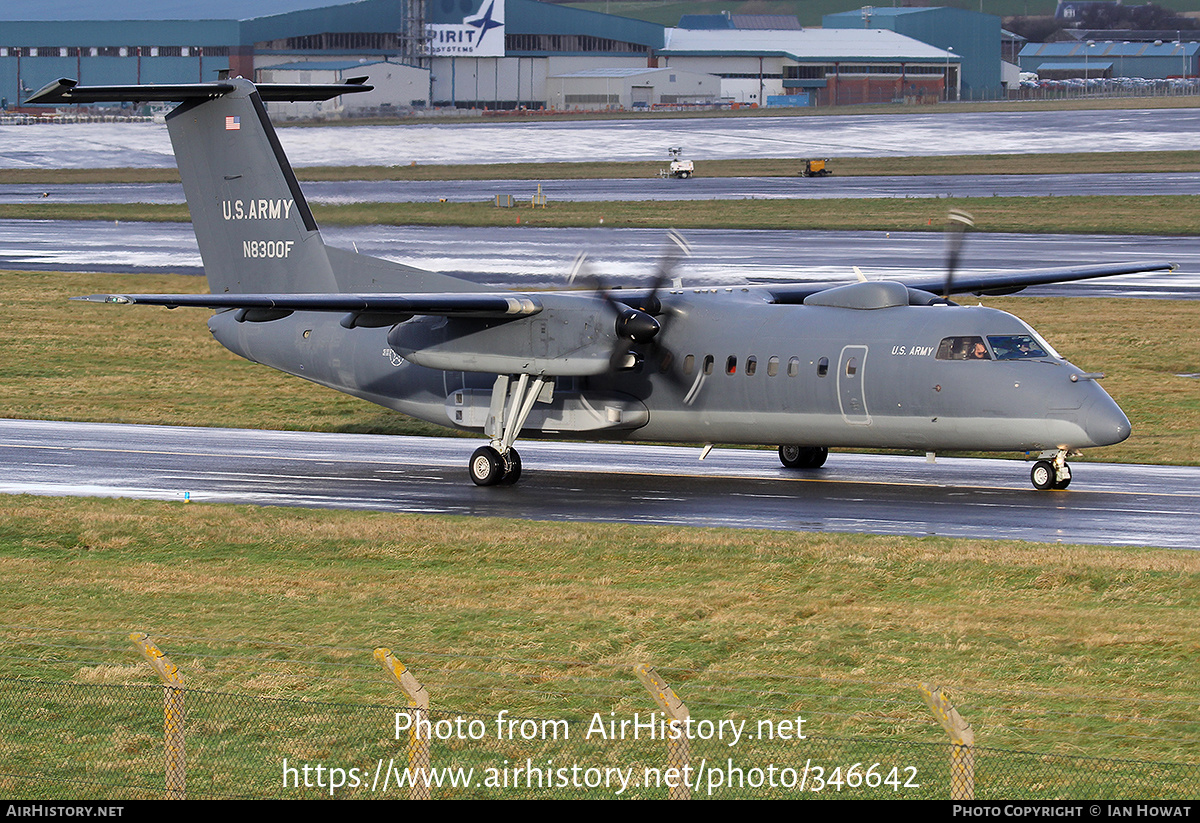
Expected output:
(472, 54)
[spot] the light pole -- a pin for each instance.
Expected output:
(1091, 44)
(946, 82)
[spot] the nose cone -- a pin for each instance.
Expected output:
(1105, 423)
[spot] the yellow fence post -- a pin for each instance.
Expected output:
(176, 769)
(418, 703)
(678, 754)
(962, 758)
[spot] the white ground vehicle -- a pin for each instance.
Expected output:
(681, 169)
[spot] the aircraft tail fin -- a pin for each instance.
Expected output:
(254, 227)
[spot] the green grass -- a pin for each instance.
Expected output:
(1153, 214)
(1074, 650)
(1072, 163)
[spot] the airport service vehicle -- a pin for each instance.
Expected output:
(679, 168)
(816, 168)
(869, 364)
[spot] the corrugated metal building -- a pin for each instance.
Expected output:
(173, 41)
(631, 89)
(973, 36)
(397, 87)
(479, 53)
(1153, 61)
(833, 66)
(541, 40)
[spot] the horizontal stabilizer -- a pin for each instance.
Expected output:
(66, 91)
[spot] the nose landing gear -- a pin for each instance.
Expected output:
(1051, 474)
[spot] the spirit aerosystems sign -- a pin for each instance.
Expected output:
(466, 28)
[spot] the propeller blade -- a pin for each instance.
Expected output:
(957, 223)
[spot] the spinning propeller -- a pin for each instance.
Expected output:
(957, 223)
(640, 318)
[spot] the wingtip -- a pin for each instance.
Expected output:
(103, 298)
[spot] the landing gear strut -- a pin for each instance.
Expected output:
(803, 457)
(1051, 474)
(499, 463)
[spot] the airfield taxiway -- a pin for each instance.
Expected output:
(534, 140)
(1108, 504)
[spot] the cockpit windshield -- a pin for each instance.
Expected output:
(1017, 347)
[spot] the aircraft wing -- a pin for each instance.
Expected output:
(989, 284)
(471, 304)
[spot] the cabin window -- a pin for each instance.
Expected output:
(852, 367)
(751, 365)
(1016, 347)
(731, 365)
(689, 364)
(823, 367)
(664, 365)
(708, 364)
(773, 367)
(793, 367)
(963, 348)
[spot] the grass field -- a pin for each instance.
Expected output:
(1066, 649)
(1070, 163)
(1177, 215)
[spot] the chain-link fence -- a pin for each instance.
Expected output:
(103, 742)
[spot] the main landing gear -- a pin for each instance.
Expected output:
(1051, 474)
(490, 468)
(803, 457)
(499, 463)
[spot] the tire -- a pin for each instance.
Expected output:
(684, 175)
(803, 457)
(486, 467)
(513, 473)
(1042, 475)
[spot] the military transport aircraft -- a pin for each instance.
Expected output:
(876, 364)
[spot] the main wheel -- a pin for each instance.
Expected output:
(803, 457)
(1042, 475)
(513, 470)
(487, 468)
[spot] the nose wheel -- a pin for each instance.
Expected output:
(1050, 474)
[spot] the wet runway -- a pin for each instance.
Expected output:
(106, 145)
(642, 189)
(525, 257)
(1107, 504)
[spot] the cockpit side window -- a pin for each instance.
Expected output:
(963, 348)
(1016, 347)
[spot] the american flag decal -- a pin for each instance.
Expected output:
(232, 123)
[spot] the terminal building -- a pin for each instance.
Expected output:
(483, 54)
